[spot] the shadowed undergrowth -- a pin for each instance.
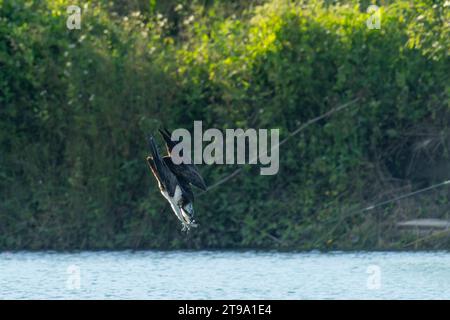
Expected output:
(76, 107)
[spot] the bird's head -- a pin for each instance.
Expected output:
(188, 208)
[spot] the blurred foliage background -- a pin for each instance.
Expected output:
(76, 107)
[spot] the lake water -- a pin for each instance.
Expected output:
(224, 275)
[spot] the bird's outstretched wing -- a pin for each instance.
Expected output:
(160, 169)
(187, 172)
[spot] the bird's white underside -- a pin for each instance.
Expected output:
(175, 203)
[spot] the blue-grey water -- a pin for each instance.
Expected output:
(224, 275)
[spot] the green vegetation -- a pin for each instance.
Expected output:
(77, 105)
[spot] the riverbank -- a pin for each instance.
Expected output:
(77, 106)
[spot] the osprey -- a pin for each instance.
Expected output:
(175, 180)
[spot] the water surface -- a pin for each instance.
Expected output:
(224, 275)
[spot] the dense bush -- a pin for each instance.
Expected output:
(76, 106)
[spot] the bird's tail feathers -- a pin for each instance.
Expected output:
(165, 133)
(167, 138)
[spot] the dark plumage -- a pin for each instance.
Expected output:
(174, 181)
(184, 171)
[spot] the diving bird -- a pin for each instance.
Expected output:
(186, 172)
(175, 180)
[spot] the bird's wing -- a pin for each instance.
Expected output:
(167, 138)
(160, 170)
(188, 172)
(186, 190)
